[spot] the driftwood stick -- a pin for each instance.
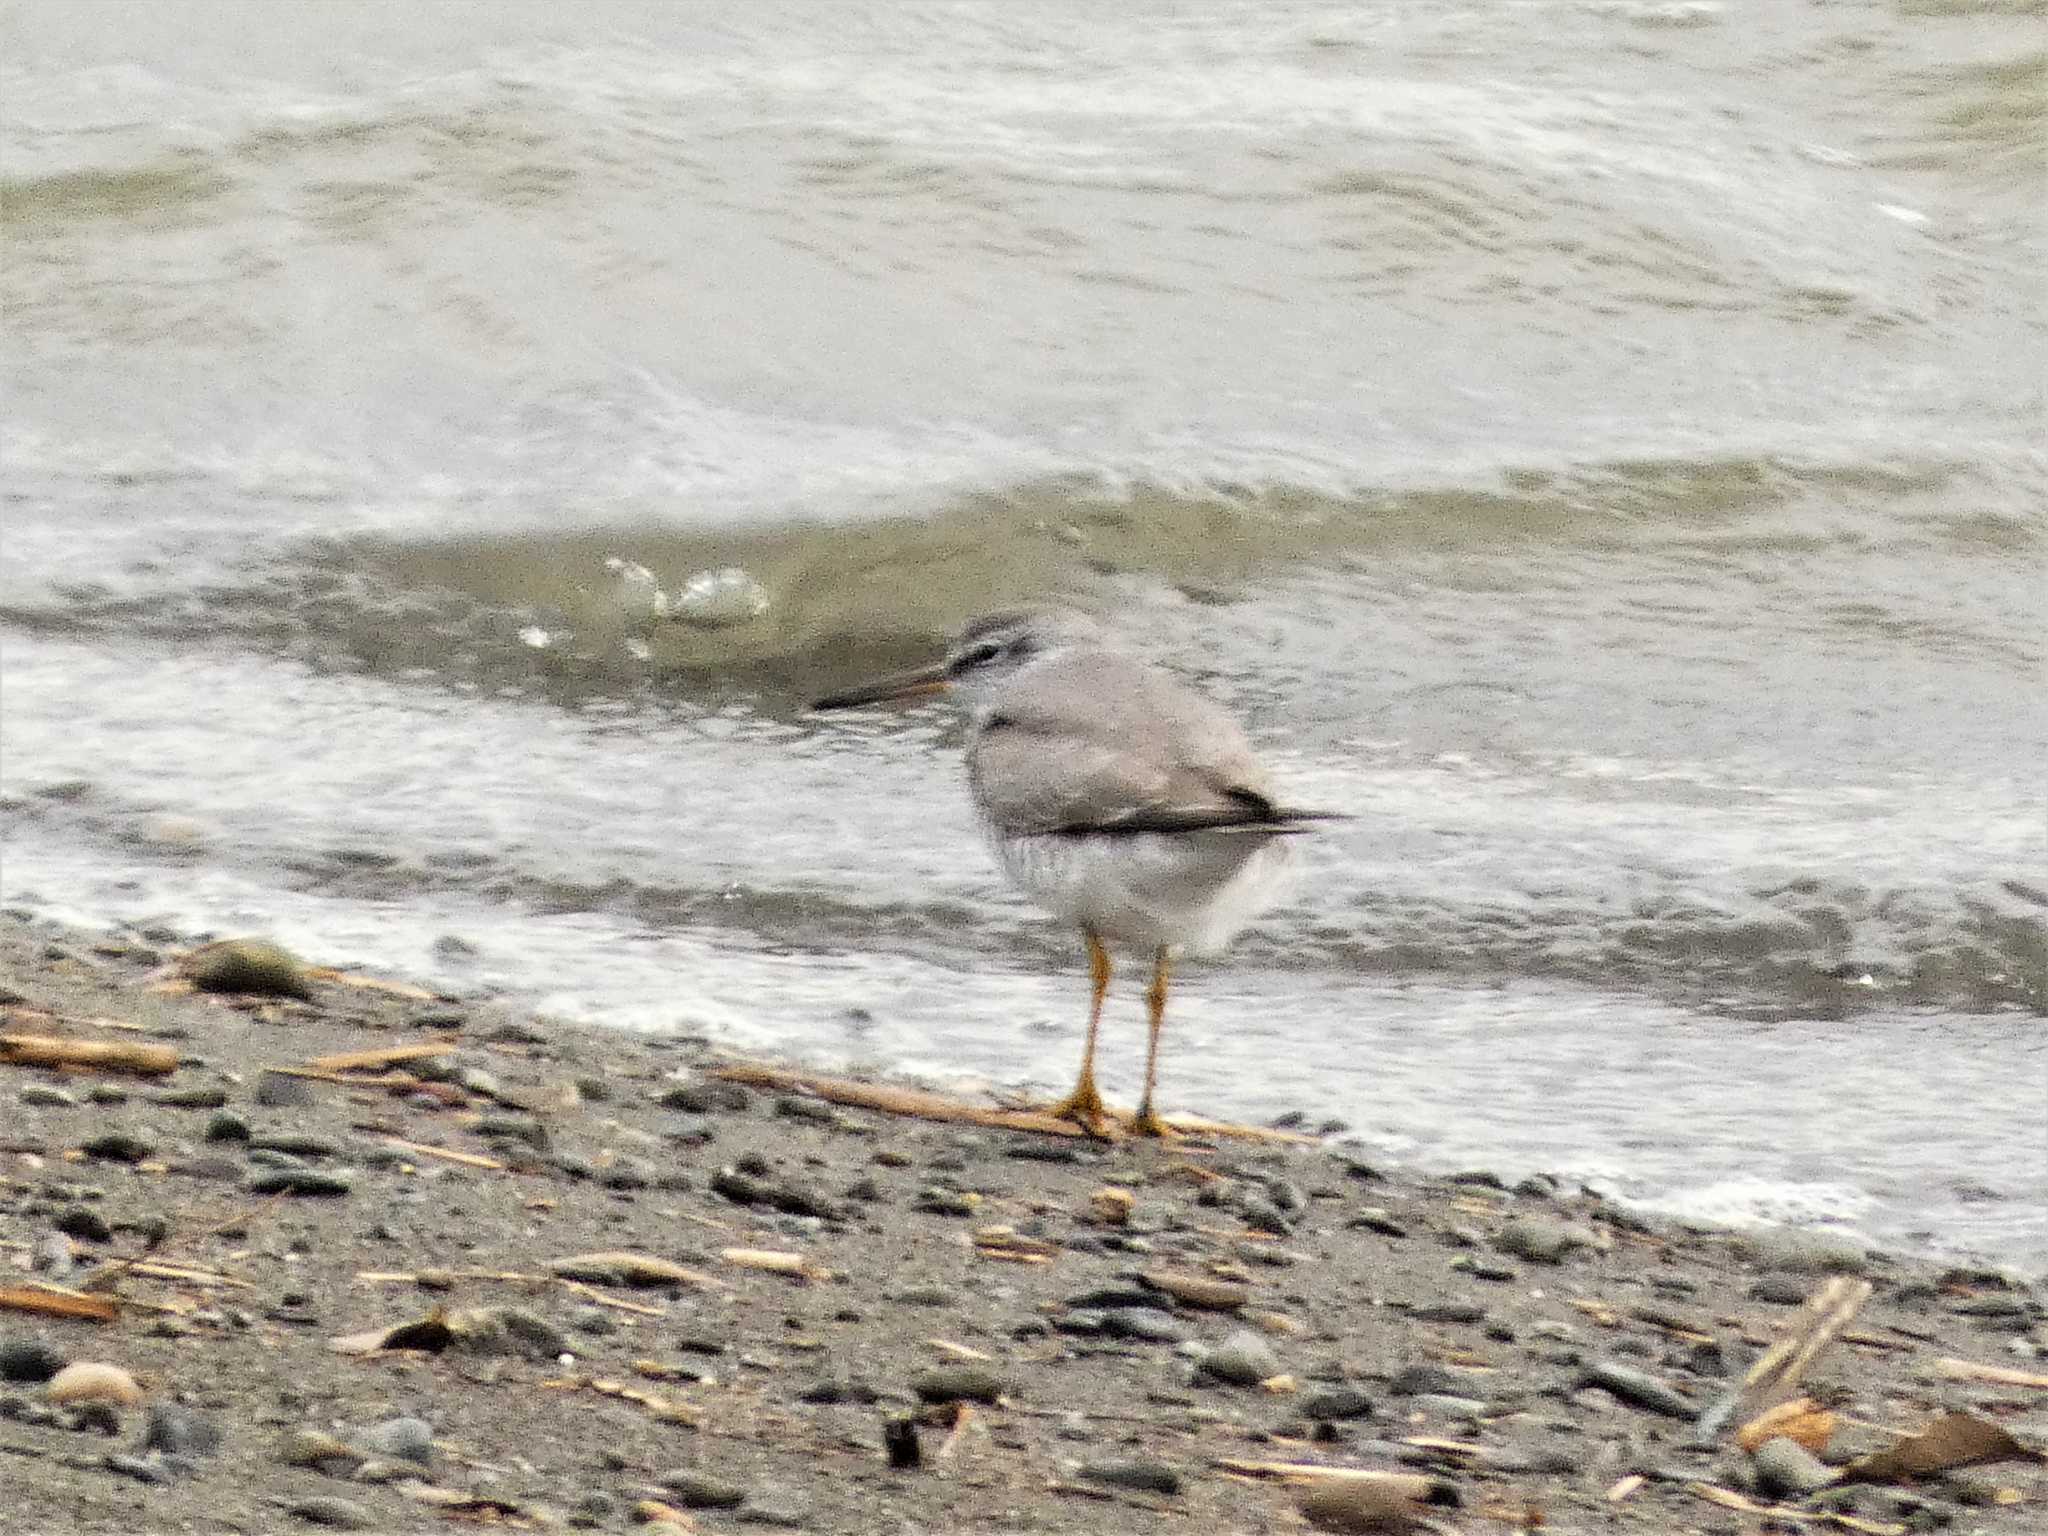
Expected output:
(88, 1055)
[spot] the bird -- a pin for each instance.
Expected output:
(1116, 797)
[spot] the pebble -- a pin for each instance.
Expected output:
(144, 1469)
(403, 1439)
(118, 1147)
(694, 1490)
(316, 1448)
(954, 1383)
(311, 1183)
(177, 1430)
(1147, 1324)
(280, 1090)
(1375, 1219)
(1199, 1291)
(248, 965)
(744, 1188)
(192, 1098)
(227, 1126)
(776, 1508)
(1790, 1251)
(1639, 1389)
(508, 1331)
(1787, 1469)
(43, 1096)
(1335, 1403)
(1244, 1359)
(1139, 1476)
(1780, 1290)
(834, 1390)
(1450, 1312)
(1416, 1380)
(29, 1360)
(1373, 1507)
(1540, 1241)
(93, 1381)
(336, 1513)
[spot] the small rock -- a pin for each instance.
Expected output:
(118, 1147)
(1335, 1403)
(317, 1448)
(693, 1490)
(1397, 1504)
(1199, 1291)
(955, 1383)
(248, 965)
(1148, 1324)
(227, 1126)
(93, 1381)
(1450, 1312)
(776, 1508)
(43, 1096)
(1790, 1251)
(192, 1098)
(1140, 1476)
(280, 1090)
(1415, 1380)
(1540, 1241)
(335, 1513)
(1639, 1389)
(310, 1183)
(1780, 1290)
(28, 1360)
(177, 1430)
(85, 1224)
(1244, 1359)
(144, 1469)
(1787, 1470)
(833, 1390)
(507, 1331)
(402, 1439)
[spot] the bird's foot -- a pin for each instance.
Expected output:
(1085, 1108)
(1146, 1122)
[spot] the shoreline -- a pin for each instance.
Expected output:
(642, 1293)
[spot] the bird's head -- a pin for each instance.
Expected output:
(988, 653)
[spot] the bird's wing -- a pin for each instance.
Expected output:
(1102, 743)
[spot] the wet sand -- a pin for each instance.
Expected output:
(1066, 1336)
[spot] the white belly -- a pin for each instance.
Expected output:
(1187, 890)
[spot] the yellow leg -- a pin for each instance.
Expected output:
(1148, 1122)
(1084, 1104)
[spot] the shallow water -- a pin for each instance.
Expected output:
(1596, 445)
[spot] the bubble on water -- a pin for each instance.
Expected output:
(718, 599)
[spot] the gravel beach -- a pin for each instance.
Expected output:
(546, 1277)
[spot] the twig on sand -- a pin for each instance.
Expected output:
(386, 1056)
(921, 1104)
(88, 1055)
(53, 1301)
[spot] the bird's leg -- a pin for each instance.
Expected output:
(1084, 1104)
(1147, 1122)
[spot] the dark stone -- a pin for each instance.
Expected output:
(693, 1490)
(1139, 1476)
(955, 1383)
(1335, 1403)
(29, 1360)
(1639, 1389)
(177, 1430)
(118, 1147)
(899, 1439)
(85, 1224)
(308, 1182)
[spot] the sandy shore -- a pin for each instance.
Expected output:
(1067, 1337)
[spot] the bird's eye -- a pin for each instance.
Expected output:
(980, 656)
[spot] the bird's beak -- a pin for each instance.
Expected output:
(918, 684)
